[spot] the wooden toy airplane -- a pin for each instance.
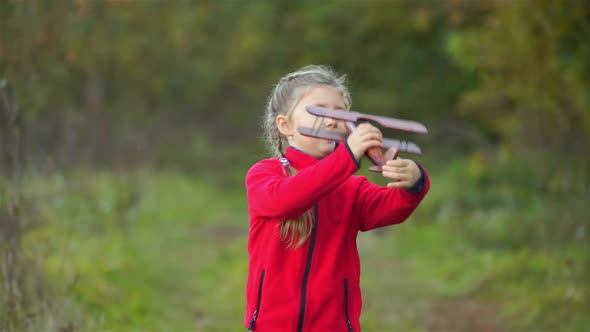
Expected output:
(352, 119)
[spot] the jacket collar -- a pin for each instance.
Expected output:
(299, 159)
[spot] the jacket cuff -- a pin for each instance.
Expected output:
(357, 162)
(420, 184)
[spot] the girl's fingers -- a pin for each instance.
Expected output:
(400, 184)
(396, 169)
(363, 130)
(401, 170)
(371, 134)
(372, 143)
(399, 162)
(395, 175)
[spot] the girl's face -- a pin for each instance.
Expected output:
(322, 96)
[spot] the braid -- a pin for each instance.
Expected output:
(273, 136)
(278, 142)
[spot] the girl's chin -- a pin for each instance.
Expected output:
(327, 148)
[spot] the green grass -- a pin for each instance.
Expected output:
(159, 262)
(158, 251)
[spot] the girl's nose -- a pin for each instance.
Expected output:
(330, 123)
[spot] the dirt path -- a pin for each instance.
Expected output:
(463, 314)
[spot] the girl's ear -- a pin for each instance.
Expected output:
(283, 125)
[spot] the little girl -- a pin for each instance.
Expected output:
(306, 207)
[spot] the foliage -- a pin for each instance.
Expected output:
(533, 88)
(126, 83)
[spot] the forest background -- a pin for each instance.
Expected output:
(126, 129)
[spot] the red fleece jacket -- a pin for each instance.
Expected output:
(315, 287)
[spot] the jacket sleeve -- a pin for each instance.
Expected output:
(378, 206)
(271, 193)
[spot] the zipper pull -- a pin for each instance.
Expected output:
(349, 326)
(252, 326)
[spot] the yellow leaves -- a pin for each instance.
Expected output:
(118, 2)
(422, 18)
(71, 56)
(82, 6)
(41, 37)
(464, 11)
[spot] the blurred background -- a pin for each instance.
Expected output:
(126, 129)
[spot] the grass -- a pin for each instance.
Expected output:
(139, 252)
(162, 251)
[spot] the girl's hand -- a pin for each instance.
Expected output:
(405, 171)
(363, 137)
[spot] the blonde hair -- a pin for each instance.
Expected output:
(285, 95)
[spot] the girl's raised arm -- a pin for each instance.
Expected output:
(272, 194)
(378, 206)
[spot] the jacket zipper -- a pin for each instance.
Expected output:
(252, 326)
(346, 306)
(307, 270)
